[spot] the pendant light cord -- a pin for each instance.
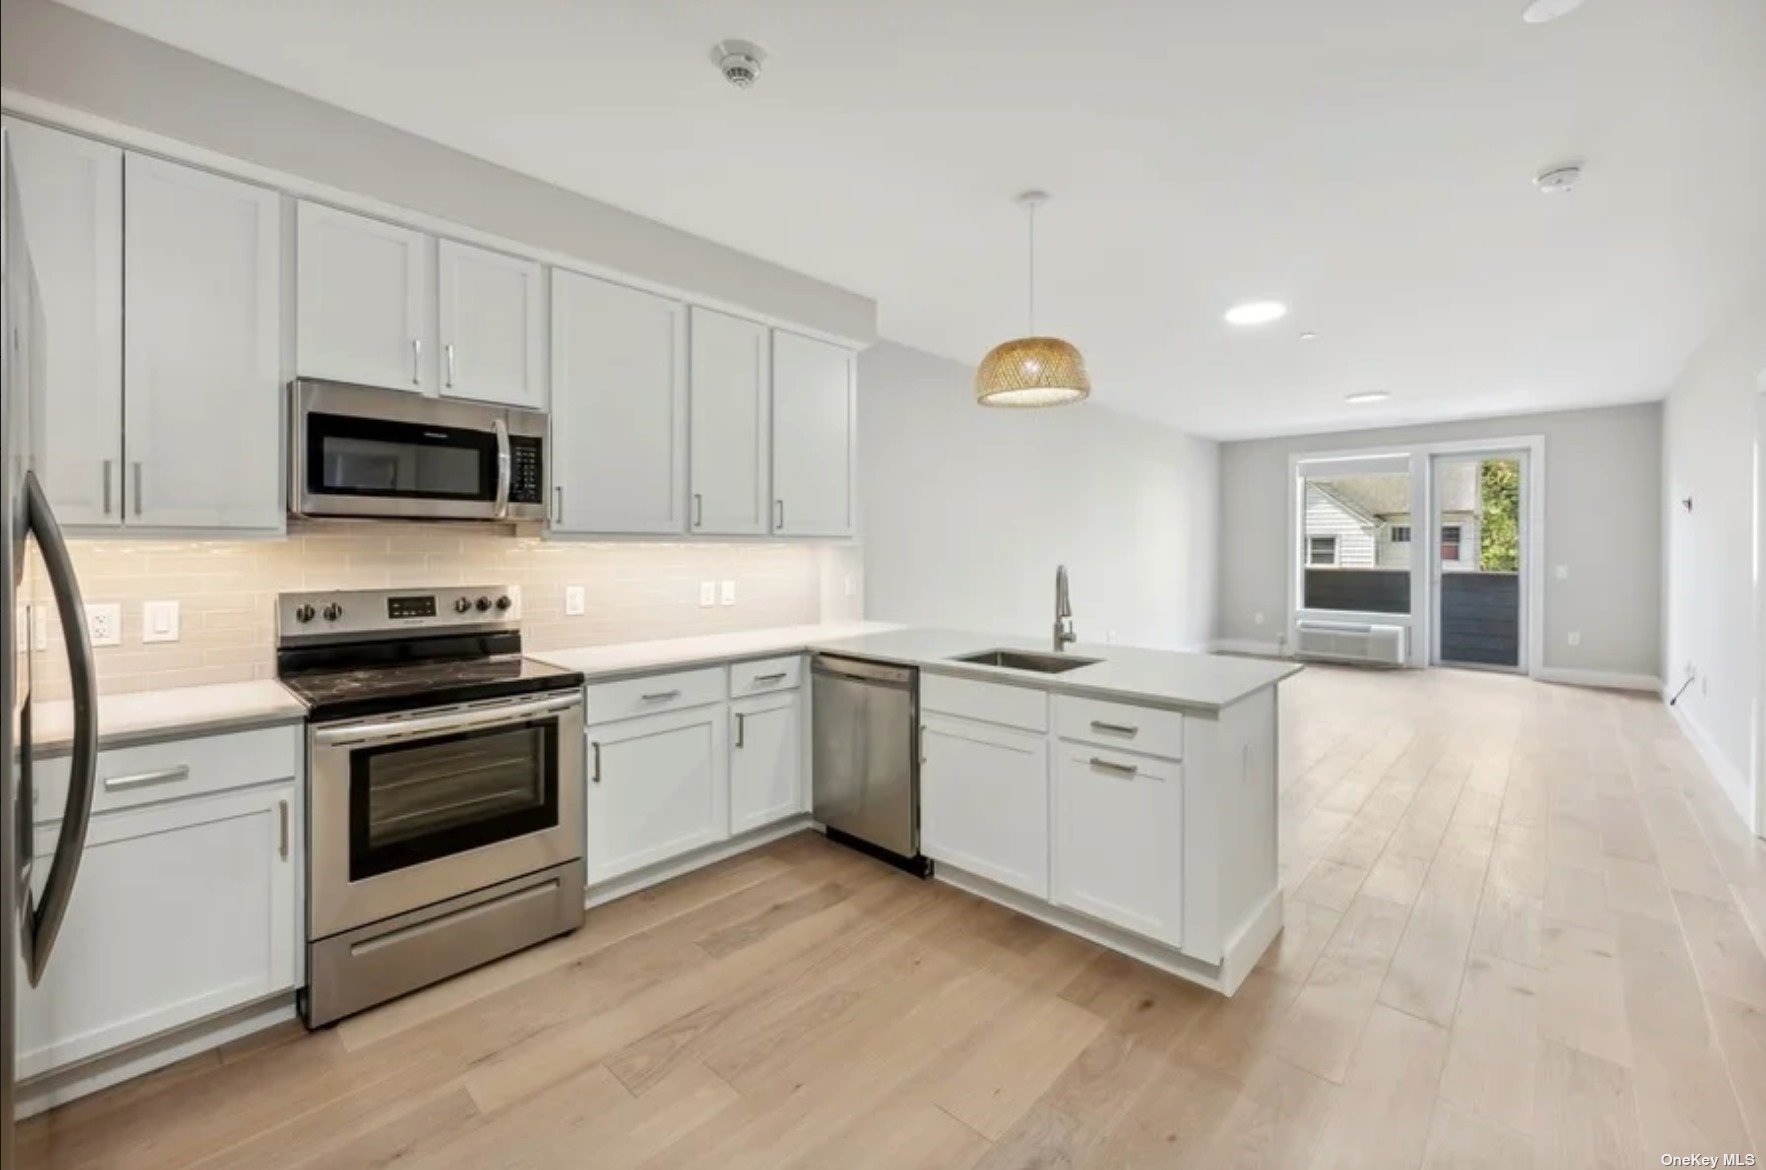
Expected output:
(1032, 290)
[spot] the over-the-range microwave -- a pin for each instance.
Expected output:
(361, 452)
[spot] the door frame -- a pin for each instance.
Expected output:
(1529, 569)
(1417, 653)
(1758, 721)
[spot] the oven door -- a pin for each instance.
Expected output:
(411, 809)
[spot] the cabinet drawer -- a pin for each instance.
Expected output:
(135, 776)
(764, 675)
(1149, 730)
(988, 702)
(652, 693)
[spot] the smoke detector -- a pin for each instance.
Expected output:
(1558, 180)
(1546, 11)
(738, 61)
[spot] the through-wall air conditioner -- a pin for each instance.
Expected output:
(1350, 642)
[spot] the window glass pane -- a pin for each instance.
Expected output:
(1356, 541)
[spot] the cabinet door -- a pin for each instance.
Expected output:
(619, 408)
(766, 760)
(364, 301)
(730, 431)
(70, 193)
(813, 435)
(492, 326)
(658, 787)
(1118, 839)
(181, 910)
(202, 359)
(984, 801)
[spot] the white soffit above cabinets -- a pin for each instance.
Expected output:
(1369, 164)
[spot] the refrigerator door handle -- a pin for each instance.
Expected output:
(45, 919)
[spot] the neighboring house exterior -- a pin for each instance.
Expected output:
(1364, 522)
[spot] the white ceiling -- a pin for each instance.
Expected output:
(1367, 161)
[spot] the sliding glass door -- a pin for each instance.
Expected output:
(1478, 559)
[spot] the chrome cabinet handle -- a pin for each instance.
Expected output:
(558, 500)
(770, 678)
(1103, 765)
(137, 487)
(282, 829)
(595, 755)
(659, 696)
(778, 515)
(107, 487)
(448, 352)
(416, 361)
(698, 509)
(741, 729)
(1114, 728)
(142, 779)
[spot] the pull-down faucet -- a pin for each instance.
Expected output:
(1063, 611)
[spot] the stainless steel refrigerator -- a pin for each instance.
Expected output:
(35, 572)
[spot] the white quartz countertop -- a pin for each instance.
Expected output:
(639, 657)
(146, 716)
(1161, 678)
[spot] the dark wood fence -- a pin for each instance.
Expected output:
(1481, 618)
(1359, 590)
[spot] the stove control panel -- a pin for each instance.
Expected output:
(370, 612)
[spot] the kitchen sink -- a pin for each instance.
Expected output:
(1026, 660)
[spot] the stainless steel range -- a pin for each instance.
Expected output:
(444, 793)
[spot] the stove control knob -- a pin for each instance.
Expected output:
(462, 604)
(333, 611)
(503, 602)
(484, 603)
(304, 614)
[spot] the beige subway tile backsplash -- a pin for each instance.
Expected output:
(226, 590)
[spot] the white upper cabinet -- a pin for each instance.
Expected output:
(730, 428)
(492, 326)
(71, 199)
(813, 437)
(619, 408)
(202, 359)
(365, 301)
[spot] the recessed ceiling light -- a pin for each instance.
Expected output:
(1366, 397)
(1309, 335)
(1256, 313)
(1546, 11)
(1558, 180)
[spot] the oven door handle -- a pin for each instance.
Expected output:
(503, 468)
(357, 734)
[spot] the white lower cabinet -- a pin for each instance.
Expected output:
(984, 803)
(1118, 839)
(766, 760)
(181, 910)
(658, 787)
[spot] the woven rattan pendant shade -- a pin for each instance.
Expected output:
(1031, 371)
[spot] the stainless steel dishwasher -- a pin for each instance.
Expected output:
(866, 770)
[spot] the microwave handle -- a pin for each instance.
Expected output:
(502, 469)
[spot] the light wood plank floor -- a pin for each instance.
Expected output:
(1523, 928)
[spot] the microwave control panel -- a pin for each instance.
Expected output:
(526, 476)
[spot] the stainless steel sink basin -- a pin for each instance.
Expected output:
(1026, 660)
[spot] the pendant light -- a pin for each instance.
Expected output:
(1032, 371)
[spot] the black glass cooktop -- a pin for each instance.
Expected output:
(342, 689)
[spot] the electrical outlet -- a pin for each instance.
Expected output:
(1705, 687)
(708, 593)
(729, 593)
(573, 601)
(104, 624)
(159, 621)
(851, 585)
(1575, 637)
(1561, 572)
(514, 612)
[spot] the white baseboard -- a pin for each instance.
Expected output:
(1245, 646)
(1732, 780)
(1611, 680)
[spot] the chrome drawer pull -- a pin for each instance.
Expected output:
(659, 696)
(771, 678)
(741, 730)
(1114, 728)
(595, 751)
(139, 779)
(1115, 768)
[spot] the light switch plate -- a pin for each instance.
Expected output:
(1575, 637)
(729, 593)
(104, 623)
(573, 600)
(708, 593)
(1561, 572)
(159, 621)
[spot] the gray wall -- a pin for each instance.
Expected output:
(966, 511)
(1603, 523)
(63, 56)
